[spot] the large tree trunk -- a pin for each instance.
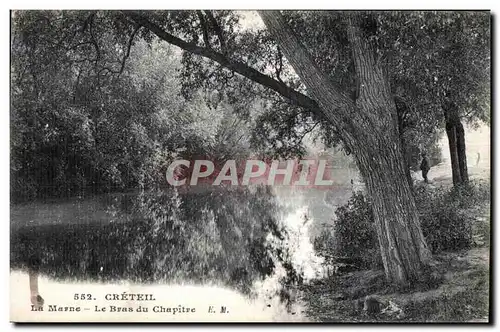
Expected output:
(462, 158)
(452, 144)
(368, 126)
(402, 244)
(456, 142)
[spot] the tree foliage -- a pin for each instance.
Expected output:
(374, 81)
(82, 122)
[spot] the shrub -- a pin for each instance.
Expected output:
(355, 236)
(470, 194)
(446, 223)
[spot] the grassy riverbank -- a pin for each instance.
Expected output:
(457, 290)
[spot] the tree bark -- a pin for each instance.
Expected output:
(456, 142)
(452, 144)
(369, 127)
(402, 244)
(461, 151)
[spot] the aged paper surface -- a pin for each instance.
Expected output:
(250, 166)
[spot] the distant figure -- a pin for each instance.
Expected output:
(424, 167)
(478, 157)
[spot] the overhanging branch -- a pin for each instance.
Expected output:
(294, 96)
(297, 55)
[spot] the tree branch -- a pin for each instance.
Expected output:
(94, 40)
(279, 65)
(129, 46)
(204, 28)
(125, 56)
(217, 30)
(304, 134)
(330, 96)
(294, 96)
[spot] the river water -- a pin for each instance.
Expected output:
(235, 247)
(224, 247)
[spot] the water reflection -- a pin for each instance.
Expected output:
(218, 236)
